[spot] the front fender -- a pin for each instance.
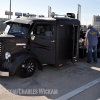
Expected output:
(13, 66)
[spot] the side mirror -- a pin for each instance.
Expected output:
(32, 36)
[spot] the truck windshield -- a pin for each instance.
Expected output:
(16, 29)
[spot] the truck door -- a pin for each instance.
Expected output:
(43, 46)
(75, 38)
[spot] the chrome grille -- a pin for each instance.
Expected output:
(0, 52)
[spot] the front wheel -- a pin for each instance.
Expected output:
(27, 68)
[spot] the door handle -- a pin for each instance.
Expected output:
(52, 41)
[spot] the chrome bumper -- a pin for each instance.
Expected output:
(3, 73)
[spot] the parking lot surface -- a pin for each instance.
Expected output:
(79, 81)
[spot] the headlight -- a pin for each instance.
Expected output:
(7, 55)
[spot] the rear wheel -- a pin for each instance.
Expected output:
(27, 68)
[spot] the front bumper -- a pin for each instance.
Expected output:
(4, 73)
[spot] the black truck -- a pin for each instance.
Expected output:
(28, 42)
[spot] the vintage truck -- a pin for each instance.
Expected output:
(28, 42)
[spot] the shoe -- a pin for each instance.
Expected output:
(95, 62)
(89, 62)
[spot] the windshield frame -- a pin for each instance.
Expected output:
(6, 32)
(17, 33)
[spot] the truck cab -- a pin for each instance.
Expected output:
(30, 41)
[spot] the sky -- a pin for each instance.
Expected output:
(38, 7)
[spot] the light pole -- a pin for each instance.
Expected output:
(10, 9)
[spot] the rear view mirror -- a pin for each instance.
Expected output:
(71, 15)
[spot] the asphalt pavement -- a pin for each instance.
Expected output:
(79, 81)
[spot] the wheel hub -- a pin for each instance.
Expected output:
(28, 67)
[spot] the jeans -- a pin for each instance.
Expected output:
(90, 49)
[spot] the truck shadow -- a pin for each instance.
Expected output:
(60, 80)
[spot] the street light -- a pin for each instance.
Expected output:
(10, 9)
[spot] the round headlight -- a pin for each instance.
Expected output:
(7, 55)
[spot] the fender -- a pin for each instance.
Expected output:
(13, 66)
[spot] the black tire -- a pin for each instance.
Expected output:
(27, 68)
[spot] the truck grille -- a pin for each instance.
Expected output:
(0, 52)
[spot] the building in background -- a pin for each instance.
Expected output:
(96, 22)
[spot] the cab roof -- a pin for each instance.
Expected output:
(30, 20)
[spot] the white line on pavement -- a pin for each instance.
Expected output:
(77, 91)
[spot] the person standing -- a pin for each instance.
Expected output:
(91, 40)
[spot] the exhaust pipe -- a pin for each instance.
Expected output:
(79, 12)
(49, 11)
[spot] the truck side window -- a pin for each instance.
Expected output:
(43, 30)
(40, 30)
(48, 32)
